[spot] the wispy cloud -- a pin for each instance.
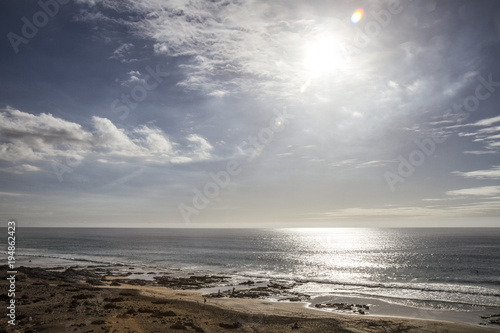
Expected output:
(373, 164)
(487, 122)
(493, 173)
(20, 169)
(231, 44)
(437, 210)
(487, 136)
(480, 152)
(122, 52)
(476, 191)
(11, 194)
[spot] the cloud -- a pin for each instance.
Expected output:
(487, 122)
(252, 47)
(437, 210)
(373, 164)
(200, 147)
(27, 137)
(134, 78)
(122, 51)
(476, 191)
(11, 194)
(493, 173)
(20, 169)
(480, 152)
(32, 138)
(487, 136)
(379, 212)
(342, 163)
(454, 88)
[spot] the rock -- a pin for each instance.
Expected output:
(136, 282)
(161, 314)
(95, 282)
(178, 326)
(246, 283)
(114, 300)
(356, 308)
(495, 321)
(192, 282)
(230, 326)
(82, 296)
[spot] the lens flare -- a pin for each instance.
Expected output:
(356, 17)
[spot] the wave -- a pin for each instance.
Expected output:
(63, 257)
(463, 289)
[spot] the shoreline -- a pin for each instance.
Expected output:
(88, 296)
(383, 308)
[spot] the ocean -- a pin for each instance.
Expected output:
(441, 269)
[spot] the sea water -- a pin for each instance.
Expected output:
(455, 269)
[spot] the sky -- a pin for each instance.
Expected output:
(231, 113)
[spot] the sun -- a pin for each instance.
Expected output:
(324, 55)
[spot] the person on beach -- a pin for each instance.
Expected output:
(204, 301)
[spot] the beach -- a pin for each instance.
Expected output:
(351, 280)
(91, 300)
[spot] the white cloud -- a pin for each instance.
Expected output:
(27, 137)
(160, 48)
(435, 211)
(476, 191)
(32, 138)
(480, 152)
(487, 122)
(218, 93)
(112, 139)
(200, 147)
(134, 78)
(11, 194)
(373, 164)
(493, 173)
(154, 140)
(254, 46)
(486, 135)
(344, 163)
(20, 169)
(489, 130)
(122, 51)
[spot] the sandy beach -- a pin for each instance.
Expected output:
(80, 300)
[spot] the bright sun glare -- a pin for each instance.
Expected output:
(324, 56)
